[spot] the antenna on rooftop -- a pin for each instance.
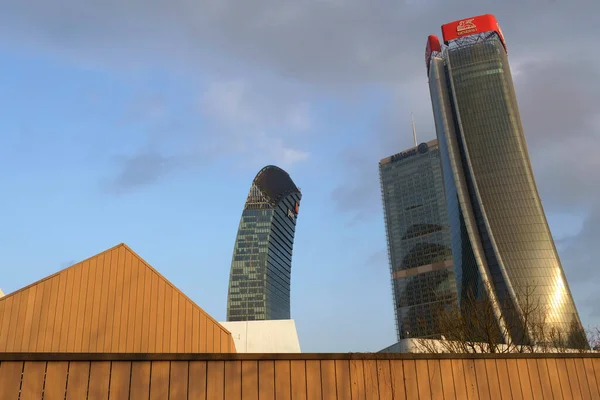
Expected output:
(412, 117)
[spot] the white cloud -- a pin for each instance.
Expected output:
(257, 122)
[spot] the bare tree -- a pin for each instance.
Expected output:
(484, 325)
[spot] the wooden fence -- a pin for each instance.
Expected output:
(297, 376)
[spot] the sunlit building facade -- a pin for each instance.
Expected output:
(418, 237)
(500, 235)
(259, 283)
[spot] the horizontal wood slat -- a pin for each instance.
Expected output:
(434, 378)
(113, 302)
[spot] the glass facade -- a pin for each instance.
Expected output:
(259, 282)
(500, 234)
(418, 237)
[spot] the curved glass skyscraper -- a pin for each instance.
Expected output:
(259, 282)
(500, 236)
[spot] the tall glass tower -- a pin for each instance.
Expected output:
(259, 282)
(418, 236)
(500, 235)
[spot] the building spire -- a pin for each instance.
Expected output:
(412, 117)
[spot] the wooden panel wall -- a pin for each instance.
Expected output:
(111, 303)
(281, 379)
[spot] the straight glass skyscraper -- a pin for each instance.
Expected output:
(418, 237)
(500, 235)
(259, 282)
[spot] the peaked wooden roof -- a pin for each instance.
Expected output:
(113, 302)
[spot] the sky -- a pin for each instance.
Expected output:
(145, 122)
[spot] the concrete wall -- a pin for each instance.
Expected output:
(274, 336)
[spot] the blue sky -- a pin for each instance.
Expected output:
(150, 133)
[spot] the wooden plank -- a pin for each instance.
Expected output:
(147, 294)
(328, 386)
(175, 317)
(132, 341)
(513, 378)
(283, 378)
(15, 336)
(77, 385)
(217, 338)
(57, 325)
(29, 311)
(447, 379)
(209, 336)
(124, 297)
(189, 326)
(45, 310)
(492, 376)
(371, 379)
(120, 376)
(153, 314)
(202, 340)
(524, 379)
(90, 304)
(33, 380)
(56, 380)
(168, 315)
(342, 378)
(554, 378)
(10, 379)
(435, 379)
(250, 380)
(423, 379)
(470, 379)
(14, 318)
(83, 298)
(111, 309)
(36, 317)
(384, 378)
(545, 384)
(196, 330)
(563, 377)
(411, 387)
(233, 380)
(596, 365)
(581, 378)
(298, 379)
(72, 307)
(215, 380)
(534, 378)
(197, 380)
(140, 380)
(117, 327)
(99, 380)
(181, 324)
(503, 379)
(483, 389)
(591, 378)
(159, 380)
(266, 380)
(138, 323)
(102, 331)
(572, 373)
(357, 379)
(178, 387)
(225, 348)
(6, 305)
(2, 324)
(160, 316)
